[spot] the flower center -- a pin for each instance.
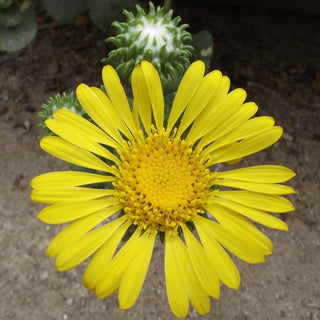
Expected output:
(162, 182)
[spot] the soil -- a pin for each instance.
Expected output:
(274, 55)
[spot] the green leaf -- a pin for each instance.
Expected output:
(103, 12)
(17, 37)
(203, 47)
(10, 17)
(23, 6)
(5, 4)
(64, 11)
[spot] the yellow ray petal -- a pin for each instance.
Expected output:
(61, 213)
(111, 276)
(269, 188)
(176, 283)
(65, 179)
(78, 123)
(86, 246)
(260, 174)
(114, 114)
(219, 95)
(77, 229)
(241, 227)
(267, 202)
(207, 277)
(249, 146)
(253, 214)
(200, 99)
(198, 296)
(219, 112)
(242, 249)
(141, 97)
(155, 92)
(68, 152)
(250, 128)
(135, 114)
(187, 88)
(133, 277)
(118, 96)
(78, 138)
(102, 257)
(218, 259)
(246, 111)
(98, 111)
(57, 195)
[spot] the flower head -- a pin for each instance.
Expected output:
(164, 179)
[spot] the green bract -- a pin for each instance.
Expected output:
(153, 36)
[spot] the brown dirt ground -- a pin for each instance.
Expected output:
(275, 57)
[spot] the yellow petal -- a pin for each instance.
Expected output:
(261, 174)
(246, 111)
(198, 296)
(234, 161)
(86, 246)
(112, 274)
(65, 179)
(61, 213)
(77, 229)
(187, 88)
(271, 203)
(118, 96)
(79, 138)
(242, 249)
(80, 124)
(176, 283)
(269, 188)
(135, 114)
(114, 113)
(68, 152)
(97, 111)
(66, 195)
(102, 258)
(249, 145)
(250, 128)
(218, 114)
(155, 92)
(206, 275)
(133, 277)
(253, 214)
(200, 99)
(241, 227)
(218, 259)
(141, 97)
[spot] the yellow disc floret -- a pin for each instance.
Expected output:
(162, 182)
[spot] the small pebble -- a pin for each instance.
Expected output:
(44, 275)
(69, 301)
(65, 316)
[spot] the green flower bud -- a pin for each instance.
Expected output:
(58, 101)
(152, 36)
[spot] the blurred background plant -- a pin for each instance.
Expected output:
(17, 24)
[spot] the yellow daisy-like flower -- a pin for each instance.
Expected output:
(161, 175)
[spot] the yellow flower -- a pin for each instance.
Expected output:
(164, 179)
